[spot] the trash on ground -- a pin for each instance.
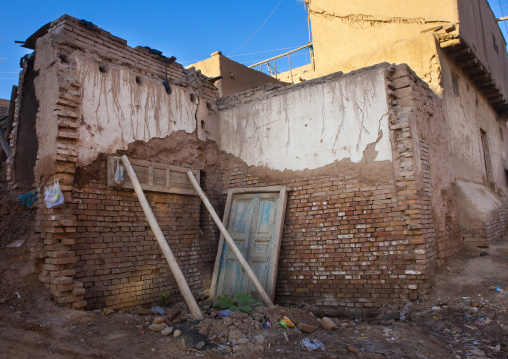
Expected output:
(311, 344)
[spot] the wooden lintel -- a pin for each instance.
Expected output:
(461, 52)
(497, 102)
(470, 63)
(450, 43)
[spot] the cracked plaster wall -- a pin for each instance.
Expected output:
(310, 125)
(117, 111)
(348, 35)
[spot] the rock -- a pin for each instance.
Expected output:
(306, 327)
(173, 313)
(177, 333)
(242, 341)
(158, 320)
(478, 352)
(142, 311)
(157, 327)
(167, 331)
(107, 311)
(259, 339)
(200, 345)
(392, 316)
(205, 294)
(234, 334)
(328, 324)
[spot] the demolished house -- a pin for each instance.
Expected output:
(387, 168)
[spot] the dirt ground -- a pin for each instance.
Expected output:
(463, 317)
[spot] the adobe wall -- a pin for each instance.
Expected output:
(478, 26)
(98, 97)
(357, 231)
(235, 76)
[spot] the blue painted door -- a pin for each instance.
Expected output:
(252, 225)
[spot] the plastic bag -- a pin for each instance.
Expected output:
(118, 179)
(311, 344)
(53, 196)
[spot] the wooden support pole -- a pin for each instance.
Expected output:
(248, 270)
(177, 273)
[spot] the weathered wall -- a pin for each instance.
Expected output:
(479, 28)
(235, 76)
(118, 258)
(99, 96)
(357, 231)
(310, 125)
(374, 32)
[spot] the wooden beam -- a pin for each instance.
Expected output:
(470, 63)
(170, 258)
(4, 145)
(248, 270)
(461, 52)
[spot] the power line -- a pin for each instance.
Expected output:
(246, 42)
(502, 13)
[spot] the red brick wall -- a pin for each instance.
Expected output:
(119, 261)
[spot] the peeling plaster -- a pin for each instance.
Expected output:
(117, 111)
(363, 21)
(311, 126)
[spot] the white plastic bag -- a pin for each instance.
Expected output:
(53, 196)
(119, 174)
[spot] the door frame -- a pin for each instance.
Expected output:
(279, 223)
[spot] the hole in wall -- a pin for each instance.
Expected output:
(139, 80)
(209, 106)
(64, 59)
(193, 97)
(202, 124)
(103, 69)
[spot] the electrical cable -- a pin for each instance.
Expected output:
(246, 42)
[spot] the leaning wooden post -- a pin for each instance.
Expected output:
(230, 241)
(177, 273)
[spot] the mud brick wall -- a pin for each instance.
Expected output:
(119, 260)
(493, 228)
(98, 246)
(343, 242)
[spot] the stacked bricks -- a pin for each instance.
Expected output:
(57, 225)
(119, 260)
(493, 228)
(343, 242)
(413, 187)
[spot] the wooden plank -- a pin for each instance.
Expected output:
(155, 177)
(170, 258)
(461, 52)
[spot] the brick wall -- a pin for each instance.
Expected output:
(98, 248)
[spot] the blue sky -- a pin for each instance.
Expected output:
(190, 30)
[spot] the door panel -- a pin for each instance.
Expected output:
(252, 223)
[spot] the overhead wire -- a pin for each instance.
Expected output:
(263, 24)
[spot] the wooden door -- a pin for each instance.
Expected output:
(254, 221)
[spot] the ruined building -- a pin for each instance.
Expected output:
(392, 152)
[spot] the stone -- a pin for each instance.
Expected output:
(306, 327)
(167, 331)
(158, 320)
(173, 313)
(259, 339)
(157, 327)
(107, 311)
(328, 324)
(200, 345)
(234, 334)
(177, 333)
(392, 316)
(242, 341)
(478, 352)
(142, 311)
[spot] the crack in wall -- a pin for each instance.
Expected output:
(363, 21)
